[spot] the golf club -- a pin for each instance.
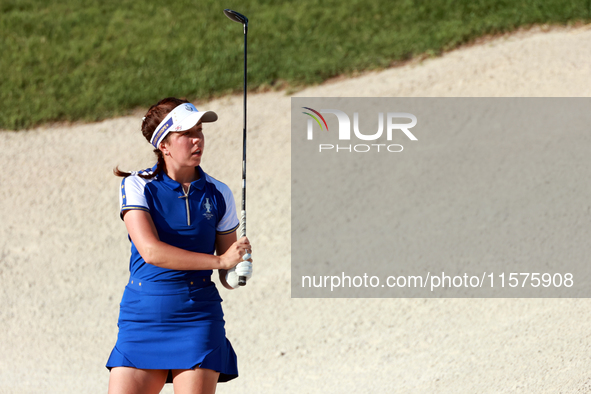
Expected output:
(237, 17)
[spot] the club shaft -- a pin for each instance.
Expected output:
(242, 279)
(244, 135)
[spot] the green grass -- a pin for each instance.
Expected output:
(73, 60)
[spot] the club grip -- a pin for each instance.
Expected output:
(242, 279)
(242, 224)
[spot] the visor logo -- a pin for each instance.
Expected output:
(162, 130)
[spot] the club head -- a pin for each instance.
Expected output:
(236, 16)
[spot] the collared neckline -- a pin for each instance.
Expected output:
(174, 185)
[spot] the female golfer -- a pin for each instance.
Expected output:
(171, 326)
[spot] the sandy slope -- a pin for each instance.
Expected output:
(64, 252)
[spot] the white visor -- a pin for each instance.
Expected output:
(182, 118)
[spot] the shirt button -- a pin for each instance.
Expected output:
(140, 283)
(191, 282)
(204, 279)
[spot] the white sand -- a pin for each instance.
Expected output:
(64, 254)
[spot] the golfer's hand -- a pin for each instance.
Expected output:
(244, 268)
(235, 253)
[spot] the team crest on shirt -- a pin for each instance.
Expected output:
(207, 205)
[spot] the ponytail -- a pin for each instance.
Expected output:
(160, 166)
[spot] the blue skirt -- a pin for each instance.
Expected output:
(173, 325)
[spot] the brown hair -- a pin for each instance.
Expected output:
(153, 117)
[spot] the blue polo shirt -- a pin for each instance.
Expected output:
(188, 221)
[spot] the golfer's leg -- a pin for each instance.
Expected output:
(194, 381)
(124, 380)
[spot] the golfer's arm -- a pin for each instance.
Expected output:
(222, 244)
(143, 233)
